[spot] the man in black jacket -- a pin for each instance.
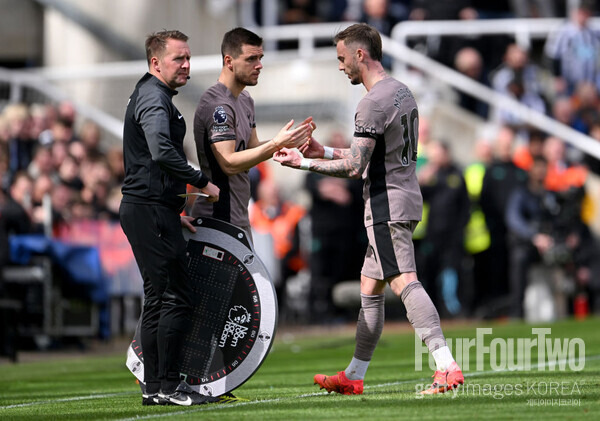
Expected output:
(156, 173)
(440, 253)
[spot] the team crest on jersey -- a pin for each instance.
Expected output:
(220, 116)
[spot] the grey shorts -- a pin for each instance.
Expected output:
(390, 251)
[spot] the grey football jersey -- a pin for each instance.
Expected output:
(222, 117)
(388, 114)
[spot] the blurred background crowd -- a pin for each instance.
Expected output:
(502, 235)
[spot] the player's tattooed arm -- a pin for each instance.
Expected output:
(347, 163)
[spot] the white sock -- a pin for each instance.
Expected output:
(443, 358)
(357, 369)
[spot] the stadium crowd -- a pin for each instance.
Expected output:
(525, 201)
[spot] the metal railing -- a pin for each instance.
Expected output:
(523, 30)
(307, 36)
(488, 95)
(18, 81)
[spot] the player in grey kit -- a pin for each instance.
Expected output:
(384, 153)
(225, 130)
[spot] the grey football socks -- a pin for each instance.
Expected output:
(423, 316)
(368, 331)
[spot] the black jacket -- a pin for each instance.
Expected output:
(449, 208)
(156, 168)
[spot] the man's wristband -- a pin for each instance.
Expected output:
(305, 164)
(327, 152)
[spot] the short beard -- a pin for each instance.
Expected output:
(246, 81)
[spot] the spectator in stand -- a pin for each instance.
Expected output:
(509, 117)
(500, 179)
(528, 222)
(60, 131)
(586, 106)
(519, 79)
(469, 62)
(4, 174)
(336, 250)
(546, 226)
(561, 175)
(66, 112)
(300, 11)
(113, 202)
(62, 198)
(497, 9)
(259, 172)
(295, 12)
(534, 8)
(477, 236)
(442, 49)
(334, 10)
(19, 146)
(525, 153)
(69, 174)
(562, 111)
(114, 158)
(14, 217)
(19, 198)
(97, 182)
(424, 140)
(377, 14)
(42, 189)
(42, 163)
(39, 120)
(574, 50)
(81, 210)
(516, 60)
(271, 214)
(90, 136)
(77, 150)
(591, 162)
(443, 187)
(59, 152)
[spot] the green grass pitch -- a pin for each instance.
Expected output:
(92, 387)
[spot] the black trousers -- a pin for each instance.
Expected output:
(154, 233)
(522, 256)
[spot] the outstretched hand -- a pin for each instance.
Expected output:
(292, 138)
(288, 158)
(310, 121)
(312, 149)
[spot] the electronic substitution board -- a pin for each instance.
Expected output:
(234, 314)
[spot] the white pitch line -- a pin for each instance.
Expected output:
(310, 395)
(307, 395)
(72, 399)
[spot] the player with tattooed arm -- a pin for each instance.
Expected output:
(384, 153)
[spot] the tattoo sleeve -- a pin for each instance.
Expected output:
(347, 163)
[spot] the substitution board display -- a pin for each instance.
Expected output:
(234, 313)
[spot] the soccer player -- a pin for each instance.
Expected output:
(156, 172)
(225, 130)
(384, 152)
